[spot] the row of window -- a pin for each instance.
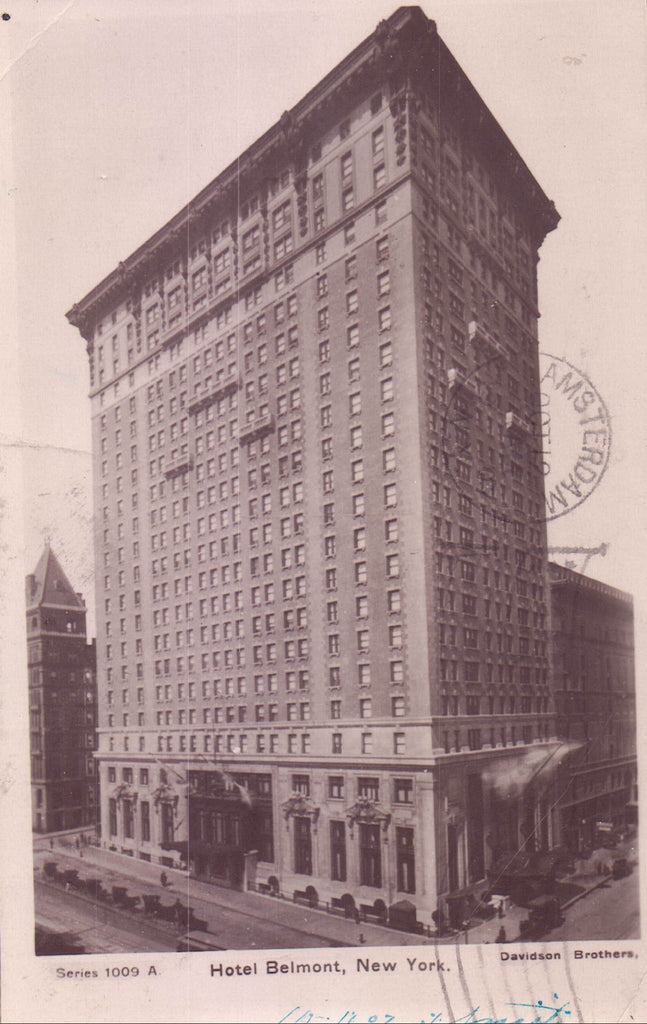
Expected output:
(477, 738)
(476, 705)
(369, 853)
(239, 743)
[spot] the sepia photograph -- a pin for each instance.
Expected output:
(324, 411)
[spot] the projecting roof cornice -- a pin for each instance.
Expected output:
(405, 49)
(559, 575)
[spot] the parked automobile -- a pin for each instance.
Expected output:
(620, 867)
(544, 913)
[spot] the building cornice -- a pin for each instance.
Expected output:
(559, 575)
(404, 49)
(49, 606)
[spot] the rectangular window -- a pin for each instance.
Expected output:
(251, 239)
(474, 739)
(145, 821)
(405, 858)
(370, 867)
(301, 784)
(403, 791)
(390, 496)
(338, 851)
(336, 787)
(302, 846)
(346, 167)
(369, 787)
(112, 816)
(397, 707)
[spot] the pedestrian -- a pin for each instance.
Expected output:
(51, 843)
(501, 937)
(164, 879)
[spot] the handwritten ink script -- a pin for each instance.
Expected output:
(512, 1013)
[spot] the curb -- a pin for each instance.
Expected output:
(569, 903)
(581, 895)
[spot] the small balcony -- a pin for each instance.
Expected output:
(515, 425)
(218, 390)
(180, 465)
(457, 381)
(485, 341)
(256, 428)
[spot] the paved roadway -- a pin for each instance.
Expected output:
(241, 920)
(611, 912)
(232, 928)
(58, 911)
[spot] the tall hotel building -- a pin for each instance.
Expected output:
(320, 548)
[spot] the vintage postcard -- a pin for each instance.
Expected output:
(323, 494)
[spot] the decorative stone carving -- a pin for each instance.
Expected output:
(124, 791)
(89, 348)
(301, 188)
(265, 226)
(300, 806)
(387, 48)
(234, 251)
(167, 795)
(367, 811)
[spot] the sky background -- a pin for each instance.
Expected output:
(122, 111)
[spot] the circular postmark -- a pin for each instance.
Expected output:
(576, 435)
(493, 451)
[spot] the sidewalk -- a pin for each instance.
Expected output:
(256, 915)
(252, 921)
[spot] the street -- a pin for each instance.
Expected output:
(58, 911)
(611, 912)
(236, 929)
(237, 919)
(243, 920)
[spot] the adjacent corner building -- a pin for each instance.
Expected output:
(62, 701)
(319, 514)
(595, 703)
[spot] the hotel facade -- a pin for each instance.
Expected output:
(319, 512)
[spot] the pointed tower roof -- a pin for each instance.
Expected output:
(48, 585)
